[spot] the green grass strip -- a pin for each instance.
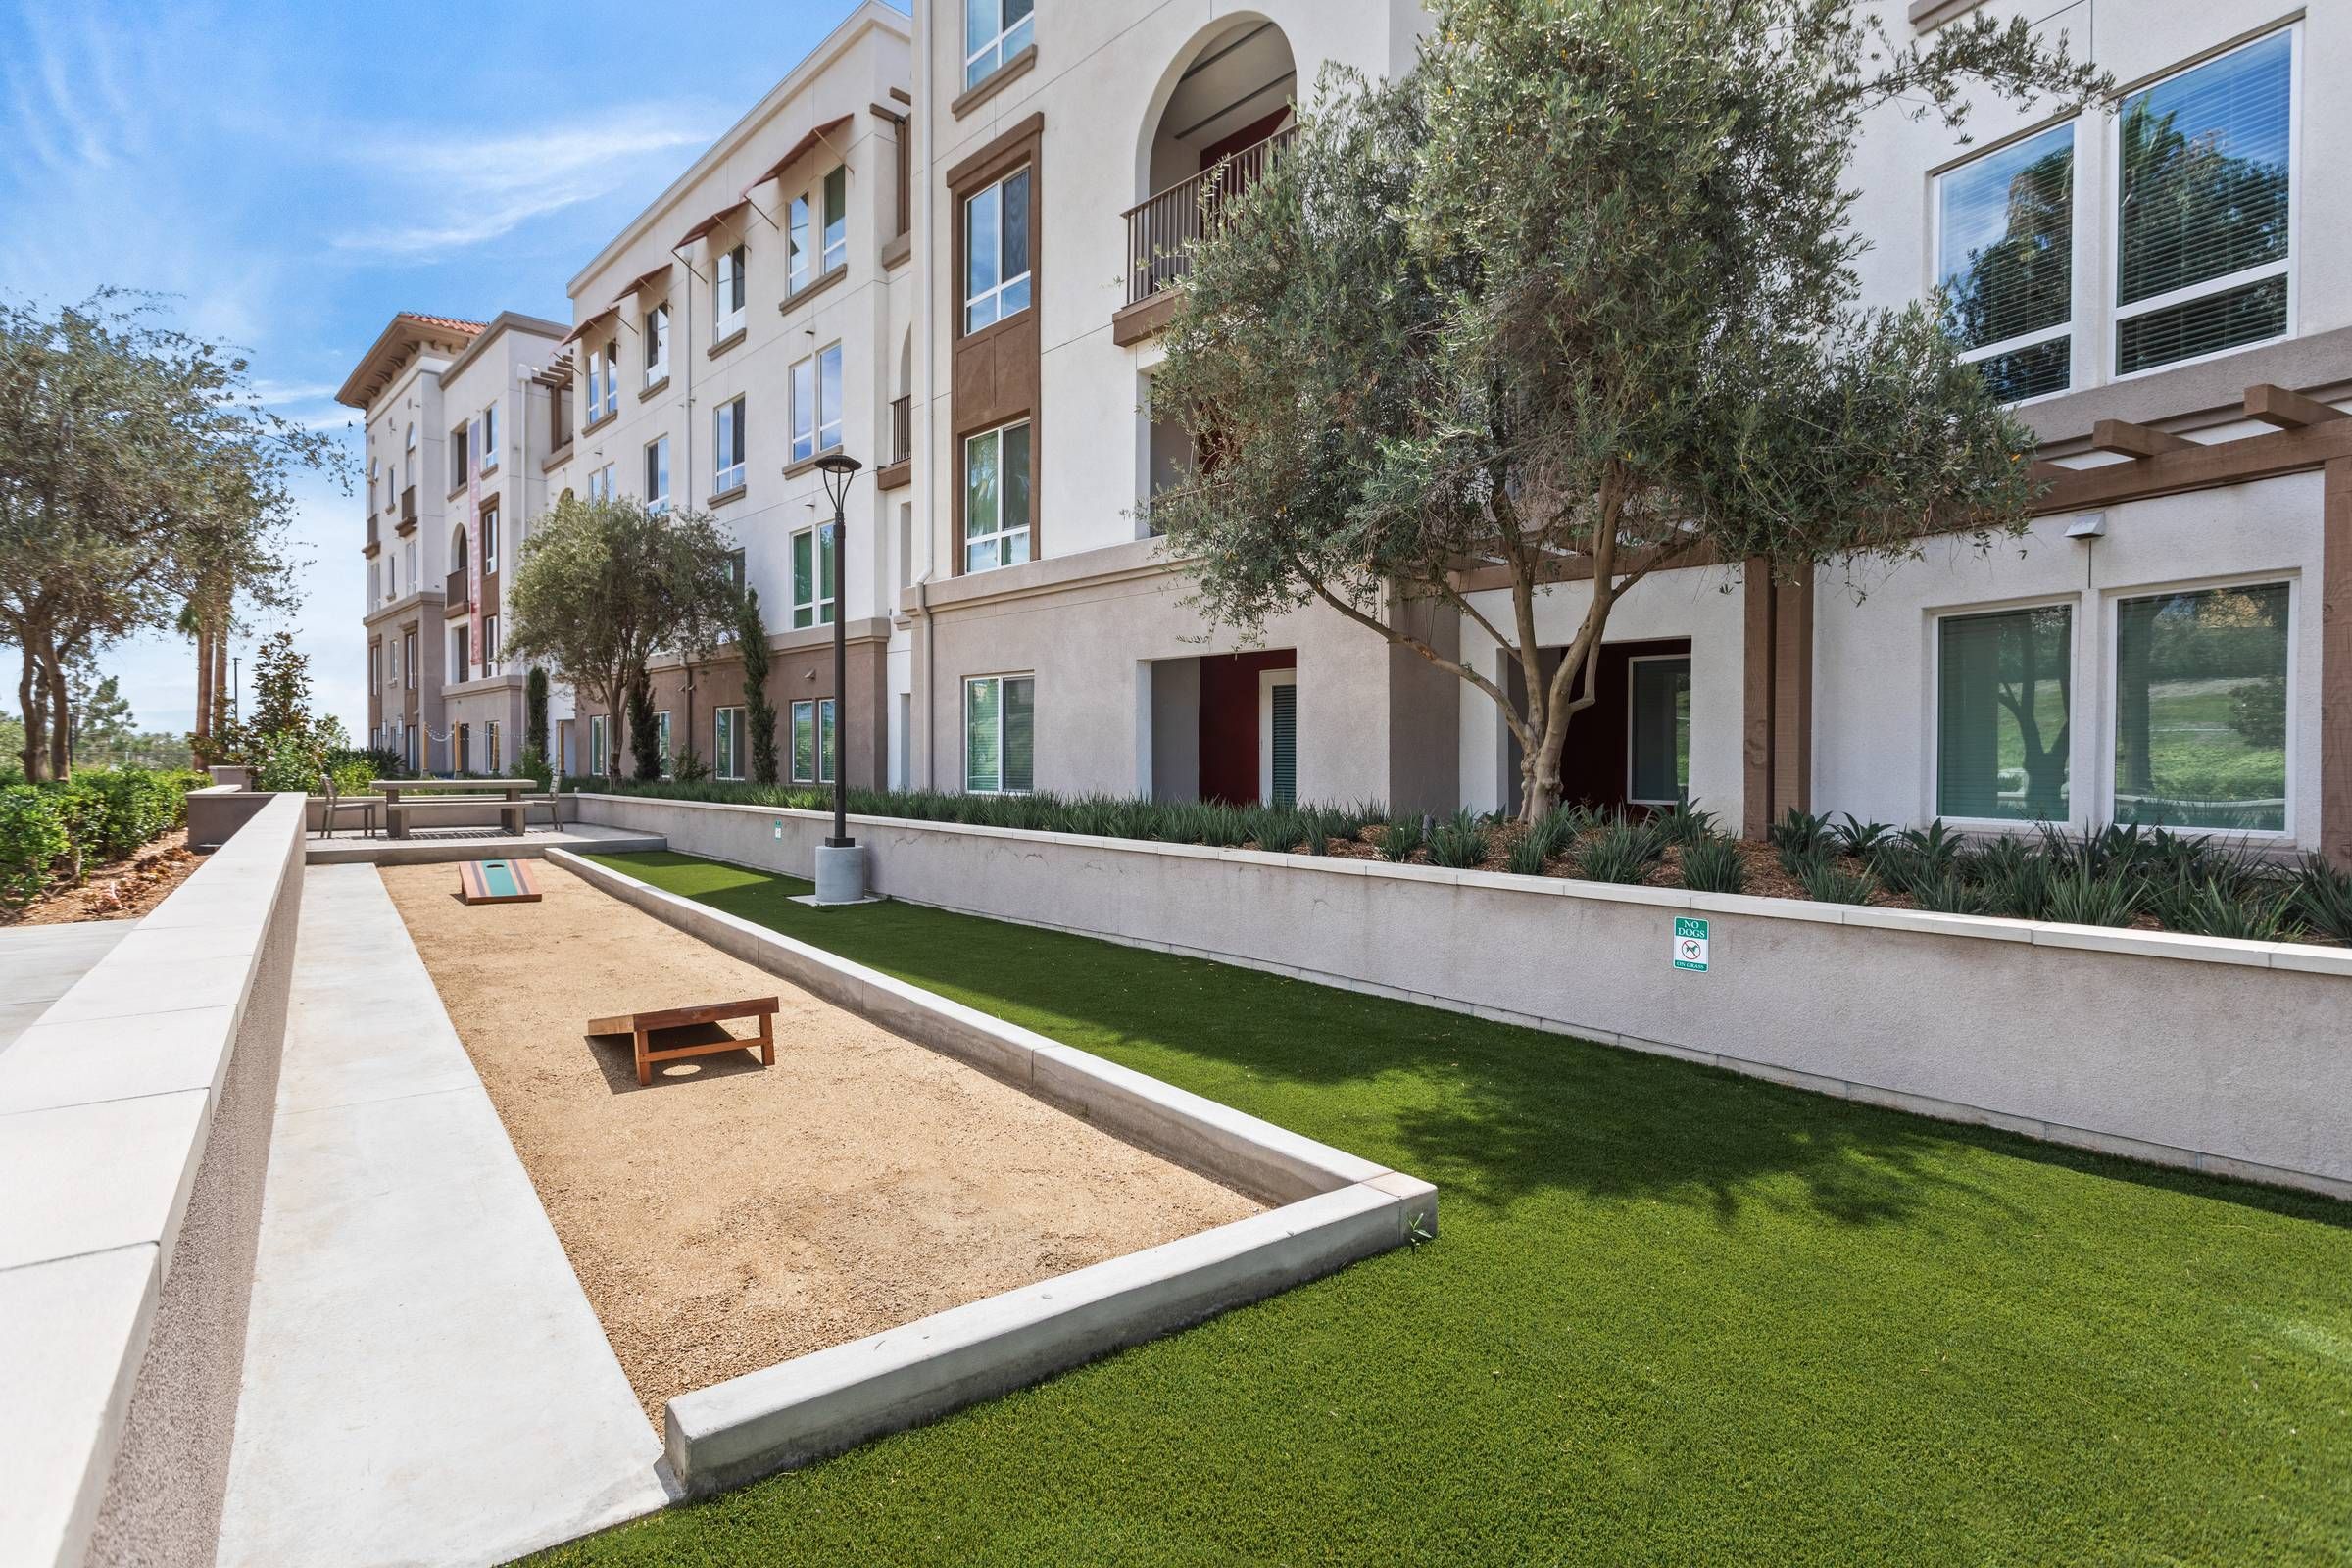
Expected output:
(1674, 1315)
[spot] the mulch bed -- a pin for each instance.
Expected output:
(122, 891)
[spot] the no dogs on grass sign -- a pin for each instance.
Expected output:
(1690, 944)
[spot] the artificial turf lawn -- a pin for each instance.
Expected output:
(1672, 1315)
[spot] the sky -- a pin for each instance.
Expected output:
(290, 175)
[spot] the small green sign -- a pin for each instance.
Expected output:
(1690, 944)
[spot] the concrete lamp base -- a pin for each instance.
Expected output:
(840, 877)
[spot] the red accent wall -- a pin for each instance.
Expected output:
(1229, 721)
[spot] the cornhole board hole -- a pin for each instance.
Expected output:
(496, 882)
(641, 1027)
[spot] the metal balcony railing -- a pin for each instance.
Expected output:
(901, 428)
(1161, 229)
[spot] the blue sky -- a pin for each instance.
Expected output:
(294, 172)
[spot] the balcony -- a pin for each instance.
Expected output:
(373, 543)
(900, 469)
(407, 509)
(452, 597)
(1161, 229)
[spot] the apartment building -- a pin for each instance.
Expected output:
(947, 244)
(754, 319)
(449, 408)
(2155, 650)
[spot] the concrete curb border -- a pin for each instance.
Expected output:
(1333, 1209)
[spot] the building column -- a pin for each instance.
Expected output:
(1777, 698)
(2335, 662)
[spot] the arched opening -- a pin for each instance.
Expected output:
(1226, 105)
(457, 548)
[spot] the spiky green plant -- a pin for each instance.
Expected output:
(1460, 843)
(1828, 882)
(1621, 852)
(2081, 894)
(1684, 823)
(2324, 896)
(1399, 840)
(1714, 866)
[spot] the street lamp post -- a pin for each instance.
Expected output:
(839, 863)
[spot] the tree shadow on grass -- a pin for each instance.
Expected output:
(1491, 1112)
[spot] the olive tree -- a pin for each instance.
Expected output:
(604, 585)
(1575, 299)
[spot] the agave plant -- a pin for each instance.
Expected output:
(1799, 833)
(1684, 823)
(1947, 893)
(2080, 895)
(1462, 843)
(1399, 840)
(2324, 896)
(2216, 905)
(1621, 852)
(1859, 839)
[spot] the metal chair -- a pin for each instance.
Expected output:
(335, 804)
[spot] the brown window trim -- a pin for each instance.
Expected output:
(594, 425)
(808, 465)
(725, 343)
(995, 82)
(654, 390)
(813, 288)
(725, 496)
(897, 251)
(1020, 144)
(963, 439)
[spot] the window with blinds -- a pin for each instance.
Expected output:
(999, 734)
(2203, 232)
(2005, 244)
(2003, 714)
(1282, 737)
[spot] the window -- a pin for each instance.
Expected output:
(600, 754)
(2006, 257)
(656, 473)
(457, 652)
(728, 743)
(996, 498)
(489, 540)
(727, 448)
(489, 446)
(1277, 737)
(817, 404)
(457, 457)
(731, 293)
(375, 667)
(604, 380)
(999, 734)
(813, 742)
(2201, 722)
(602, 484)
(409, 462)
(656, 344)
(493, 757)
(661, 739)
(489, 642)
(374, 583)
(372, 490)
(457, 548)
(814, 600)
(2203, 208)
(392, 564)
(1657, 759)
(796, 231)
(996, 252)
(837, 219)
(994, 31)
(415, 582)
(735, 570)
(2004, 708)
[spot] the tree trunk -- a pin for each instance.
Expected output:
(61, 722)
(204, 693)
(27, 687)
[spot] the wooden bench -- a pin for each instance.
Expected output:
(512, 815)
(641, 1026)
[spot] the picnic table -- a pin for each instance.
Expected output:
(506, 794)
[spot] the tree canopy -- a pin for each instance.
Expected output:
(604, 585)
(1576, 299)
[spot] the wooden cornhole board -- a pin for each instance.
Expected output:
(641, 1026)
(496, 882)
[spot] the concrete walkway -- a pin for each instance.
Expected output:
(39, 964)
(424, 1381)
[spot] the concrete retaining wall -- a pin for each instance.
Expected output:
(2225, 1056)
(134, 1135)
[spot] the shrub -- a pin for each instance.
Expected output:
(1460, 844)
(1861, 838)
(2014, 879)
(2081, 895)
(1828, 882)
(1801, 833)
(1685, 825)
(2220, 907)
(2323, 898)
(1621, 852)
(687, 767)
(1946, 893)
(1714, 866)
(32, 840)
(1399, 840)
(2257, 710)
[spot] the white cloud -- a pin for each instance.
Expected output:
(464, 191)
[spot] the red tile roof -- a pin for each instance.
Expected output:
(457, 323)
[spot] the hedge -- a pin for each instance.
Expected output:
(52, 833)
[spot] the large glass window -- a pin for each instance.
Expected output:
(657, 474)
(796, 233)
(996, 252)
(999, 734)
(996, 498)
(600, 754)
(812, 741)
(656, 344)
(1658, 750)
(803, 410)
(729, 743)
(2004, 704)
(837, 219)
(994, 31)
(731, 292)
(2006, 256)
(812, 596)
(2200, 709)
(828, 398)
(727, 448)
(2203, 231)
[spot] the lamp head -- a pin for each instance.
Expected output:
(839, 468)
